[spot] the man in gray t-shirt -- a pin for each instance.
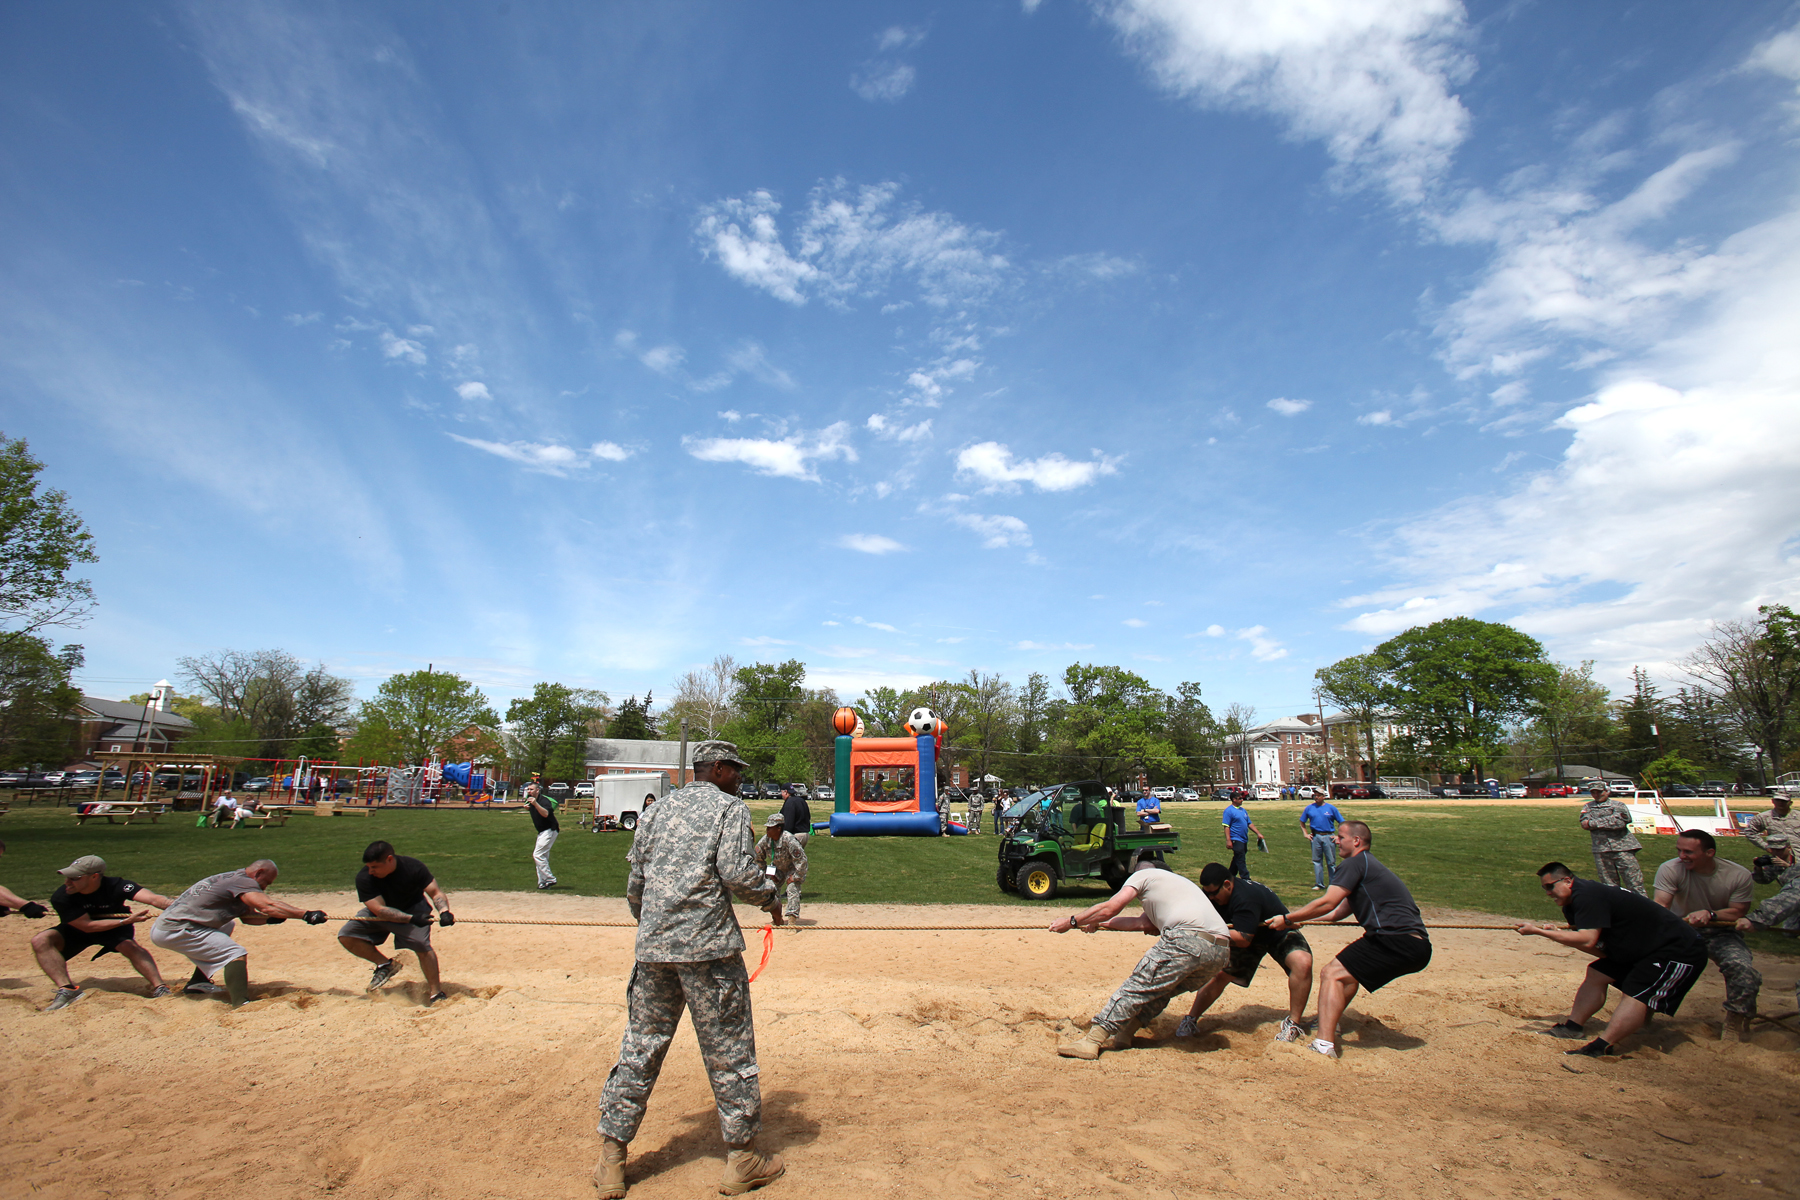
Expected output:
(1191, 947)
(198, 926)
(1700, 887)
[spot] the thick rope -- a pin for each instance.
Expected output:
(914, 928)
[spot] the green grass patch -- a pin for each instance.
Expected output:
(1480, 859)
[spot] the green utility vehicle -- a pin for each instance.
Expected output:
(1069, 831)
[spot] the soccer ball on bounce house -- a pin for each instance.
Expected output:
(922, 721)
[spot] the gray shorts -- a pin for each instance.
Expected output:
(208, 949)
(406, 937)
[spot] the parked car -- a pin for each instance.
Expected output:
(1517, 791)
(81, 779)
(54, 778)
(12, 779)
(1267, 791)
(584, 791)
(1714, 787)
(825, 792)
(1186, 794)
(1621, 787)
(261, 783)
(559, 789)
(1163, 793)
(1357, 791)
(799, 789)
(1557, 789)
(1680, 789)
(1307, 791)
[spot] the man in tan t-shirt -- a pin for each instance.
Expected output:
(1701, 888)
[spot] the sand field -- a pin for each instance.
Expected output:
(893, 1064)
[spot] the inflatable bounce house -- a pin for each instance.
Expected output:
(886, 787)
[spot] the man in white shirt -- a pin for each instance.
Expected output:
(1191, 947)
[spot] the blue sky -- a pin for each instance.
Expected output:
(587, 342)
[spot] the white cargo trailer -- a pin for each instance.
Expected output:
(619, 800)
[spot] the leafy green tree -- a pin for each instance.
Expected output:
(36, 701)
(632, 722)
(1670, 768)
(265, 704)
(1194, 733)
(1754, 669)
(1357, 686)
(42, 540)
(1459, 682)
(547, 731)
(989, 712)
(1112, 721)
(416, 714)
(1570, 711)
(766, 703)
(883, 711)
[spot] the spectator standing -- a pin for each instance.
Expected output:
(976, 802)
(1700, 887)
(1615, 847)
(542, 807)
(1238, 830)
(1318, 821)
(796, 816)
(1149, 809)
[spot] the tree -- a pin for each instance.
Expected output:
(547, 731)
(1194, 732)
(883, 711)
(1754, 669)
(266, 704)
(42, 539)
(1459, 681)
(1112, 722)
(415, 714)
(1570, 709)
(766, 702)
(36, 701)
(704, 698)
(1355, 686)
(632, 722)
(1670, 768)
(988, 712)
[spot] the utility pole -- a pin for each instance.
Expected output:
(681, 767)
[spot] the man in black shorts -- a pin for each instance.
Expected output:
(1245, 905)
(397, 894)
(1651, 955)
(92, 910)
(1393, 941)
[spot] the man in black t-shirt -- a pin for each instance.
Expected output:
(1247, 906)
(796, 816)
(1651, 955)
(542, 807)
(93, 909)
(398, 894)
(1393, 941)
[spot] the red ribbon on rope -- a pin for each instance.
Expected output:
(768, 932)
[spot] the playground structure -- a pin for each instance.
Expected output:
(301, 780)
(1650, 814)
(886, 787)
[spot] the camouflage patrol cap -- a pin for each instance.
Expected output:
(1776, 840)
(717, 751)
(774, 819)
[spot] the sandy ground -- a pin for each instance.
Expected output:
(893, 1064)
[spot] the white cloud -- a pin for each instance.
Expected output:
(871, 543)
(1053, 645)
(662, 359)
(763, 640)
(1370, 79)
(898, 37)
(548, 458)
(849, 242)
(875, 625)
(1134, 622)
(1780, 55)
(887, 428)
(298, 319)
(399, 347)
(993, 464)
(1262, 647)
(473, 391)
(883, 80)
(998, 532)
(790, 457)
(1097, 265)
(731, 416)
(1215, 631)
(1380, 416)
(1289, 408)
(609, 451)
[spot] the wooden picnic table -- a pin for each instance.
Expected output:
(126, 810)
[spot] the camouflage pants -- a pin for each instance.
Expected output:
(975, 808)
(790, 908)
(717, 993)
(1620, 869)
(1742, 981)
(1179, 962)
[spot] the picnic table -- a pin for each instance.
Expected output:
(120, 811)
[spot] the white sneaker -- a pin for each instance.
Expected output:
(1289, 1032)
(1187, 1028)
(1324, 1047)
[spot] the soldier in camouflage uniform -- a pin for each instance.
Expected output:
(1780, 819)
(690, 855)
(782, 850)
(1782, 910)
(976, 802)
(1615, 848)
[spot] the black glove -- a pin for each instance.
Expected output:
(446, 918)
(34, 910)
(315, 917)
(273, 920)
(4, 910)
(421, 919)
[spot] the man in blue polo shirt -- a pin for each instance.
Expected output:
(1318, 821)
(1238, 829)
(1149, 809)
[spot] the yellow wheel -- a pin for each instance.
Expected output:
(1037, 881)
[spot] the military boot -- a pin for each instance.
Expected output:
(609, 1172)
(1088, 1045)
(1122, 1039)
(747, 1168)
(1736, 1027)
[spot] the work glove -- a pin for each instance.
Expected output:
(273, 920)
(446, 918)
(421, 919)
(315, 917)
(34, 910)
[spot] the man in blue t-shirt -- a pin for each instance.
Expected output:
(1318, 821)
(1149, 809)
(1238, 830)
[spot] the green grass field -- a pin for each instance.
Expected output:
(1478, 858)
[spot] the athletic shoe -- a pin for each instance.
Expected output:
(1188, 1027)
(1567, 1030)
(64, 997)
(159, 991)
(1324, 1047)
(1317, 888)
(1598, 1048)
(435, 997)
(1289, 1032)
(203, 987)
(542, 886)
(383, 973)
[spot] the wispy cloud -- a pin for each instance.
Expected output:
(1289, 408)
(1262, 647)
(762, 640)
(871, 543)
(473, 390)
(1029, 645)
(402, 348)
(1134, 622)
(875, 625)
(996, 532)
(885, 427)
(548, 458)
(850, 242)
(789, 457)
(886, 77)
(994, 465)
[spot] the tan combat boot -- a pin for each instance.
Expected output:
(609, 1172)
(1736, 1027)
(1122, 1039)
(1088, 1045)
(747, 1168)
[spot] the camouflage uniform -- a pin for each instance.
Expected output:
(1615, 847)
(976, 802)
(1759, 827)
(691, 854)
(1181, 961)
(788, 857)
(1782, 912)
